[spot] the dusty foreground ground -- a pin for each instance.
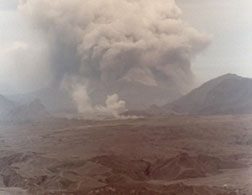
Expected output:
(177, 155)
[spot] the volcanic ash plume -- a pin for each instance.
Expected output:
(138, 49)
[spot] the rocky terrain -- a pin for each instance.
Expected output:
(175, 155)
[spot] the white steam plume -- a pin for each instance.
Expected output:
(78, 92)
(139, 49)
(81, 99)
(113, 107)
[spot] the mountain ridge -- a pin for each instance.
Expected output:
(227, 94)
(11, 111)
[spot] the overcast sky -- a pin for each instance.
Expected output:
(229, 21)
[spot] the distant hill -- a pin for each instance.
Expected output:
(228, 94)
(6, 105)
(15, 112)
(56, 101)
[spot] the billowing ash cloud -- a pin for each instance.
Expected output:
(138, 49)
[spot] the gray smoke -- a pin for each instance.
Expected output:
(138, 49)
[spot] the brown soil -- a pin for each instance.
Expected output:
(178, 155)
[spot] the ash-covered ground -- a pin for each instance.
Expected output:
(174, 155)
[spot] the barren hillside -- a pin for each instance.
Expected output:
(228, 94)
(179, 155)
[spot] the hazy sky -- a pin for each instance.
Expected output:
(229, 21)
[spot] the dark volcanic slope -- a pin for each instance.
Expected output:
(228, 94)
(13, 111)
(32, 111)
(5, 105)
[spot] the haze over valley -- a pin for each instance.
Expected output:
(121, 97)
